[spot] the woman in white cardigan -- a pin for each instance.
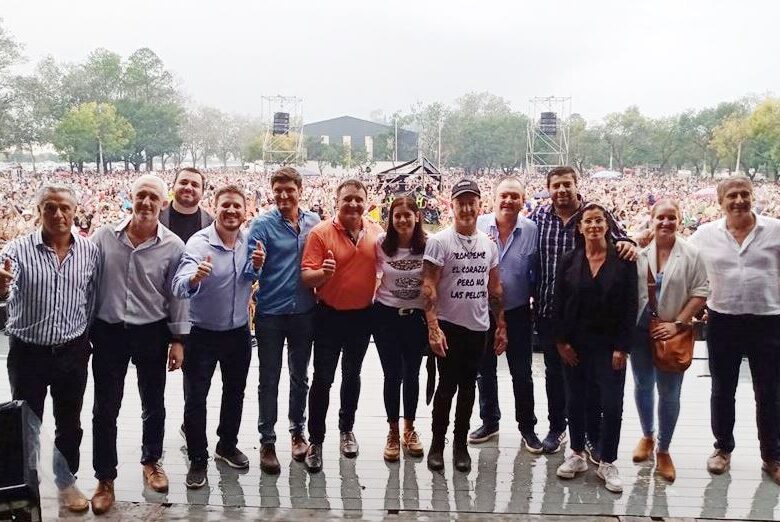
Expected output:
(681, 292)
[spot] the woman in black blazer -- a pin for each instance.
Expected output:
(595, 310)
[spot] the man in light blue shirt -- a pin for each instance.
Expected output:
(213, 275)
(516, 237)
(284, 311)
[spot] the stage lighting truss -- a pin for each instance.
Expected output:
(548, 133)
(282, 118)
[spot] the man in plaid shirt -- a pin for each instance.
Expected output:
(557, 226)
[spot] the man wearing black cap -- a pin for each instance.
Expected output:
(461, 284)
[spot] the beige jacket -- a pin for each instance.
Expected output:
(685, 276)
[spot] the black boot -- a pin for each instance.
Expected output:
(436, 455)
(460, 456)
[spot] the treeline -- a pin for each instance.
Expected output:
(131, 110)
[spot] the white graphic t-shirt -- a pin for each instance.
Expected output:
(463, 287)
(401, 283)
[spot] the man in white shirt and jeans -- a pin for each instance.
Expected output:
(742, 255)
(461, 282)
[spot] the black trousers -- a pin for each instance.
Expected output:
(457, 373)
(556, 390)
(595, 366)
(337, 331)
(232, 349)
(729, 339)
(33, 370)
(115, 345)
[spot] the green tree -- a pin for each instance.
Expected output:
(10, 53)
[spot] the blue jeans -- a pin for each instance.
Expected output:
(518, 356)
(646, 378)
(271, 332)
(400, 341)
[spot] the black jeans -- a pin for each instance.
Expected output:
(336, 331)
(729, 339)
(400, 341)
(518, 356)
(556, 392)
(457, 373)
(595, 366)
(271, 332)
(232, 349)
(115, 345)
(32, 369)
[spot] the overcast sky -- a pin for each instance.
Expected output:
(352, 57)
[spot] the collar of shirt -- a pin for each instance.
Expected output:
(121, 231)
(363, 227)
(490, 225)
(216, 241)
(37, 239)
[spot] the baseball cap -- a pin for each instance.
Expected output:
(465, 186)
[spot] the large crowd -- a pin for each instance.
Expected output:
(179, 270)
(105, 197)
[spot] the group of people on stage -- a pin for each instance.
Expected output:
(168, 288)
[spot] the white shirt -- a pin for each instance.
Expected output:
(744, 279)
(466, 262)
(401, 277)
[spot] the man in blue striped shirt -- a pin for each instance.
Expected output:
(48, 278)
(212, 276)
(284, 312)
(557, 231)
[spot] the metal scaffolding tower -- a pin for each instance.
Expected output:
(282, 118)
(548, 133)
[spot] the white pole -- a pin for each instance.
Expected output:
(441, 122)
(395, 140)
(739, 154)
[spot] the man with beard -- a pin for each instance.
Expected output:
(284, 312)
(556, 224)
(742, 254)
(339, 261)
(138, 319)
(184, 216)
(48, 279)
(516, 238)
(212, 275)
(461, 284)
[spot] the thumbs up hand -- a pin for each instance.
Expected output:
(258, 256)
(329, 264)
(204, 270)
(6, 276)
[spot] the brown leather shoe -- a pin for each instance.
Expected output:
(410, 441)
(392, 451)
(103, 497)
(155, 477)
(644, 449)
(665, 467)
(718, 462)
(268, 461)
(72, 499)
(299, 447)
(773, 470)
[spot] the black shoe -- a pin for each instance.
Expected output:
(483, 434)
(183, 434)
(436, 456)
(553, 442)
(196, 475)
(532, 443)
(349, 445)
(461, 458)
(313, 458)
(592, 451)
(233, 458)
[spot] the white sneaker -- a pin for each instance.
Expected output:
(571, 466)
(608, 472)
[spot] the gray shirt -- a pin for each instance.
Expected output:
(135, 283)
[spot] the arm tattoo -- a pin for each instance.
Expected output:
(431, 275)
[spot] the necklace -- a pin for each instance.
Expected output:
(468, 241)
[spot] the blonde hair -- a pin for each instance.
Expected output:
(671, 202)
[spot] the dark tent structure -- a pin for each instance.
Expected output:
(418, 172)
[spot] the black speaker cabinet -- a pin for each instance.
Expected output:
(19, 495)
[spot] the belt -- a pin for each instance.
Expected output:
(406, 311)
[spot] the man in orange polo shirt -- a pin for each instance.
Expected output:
(339, 262)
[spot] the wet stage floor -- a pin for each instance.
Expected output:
(504, 477)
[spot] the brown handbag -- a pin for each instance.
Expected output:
(672, 355)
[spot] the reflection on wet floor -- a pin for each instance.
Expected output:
(504, 477)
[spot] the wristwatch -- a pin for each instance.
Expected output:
(680, 325)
